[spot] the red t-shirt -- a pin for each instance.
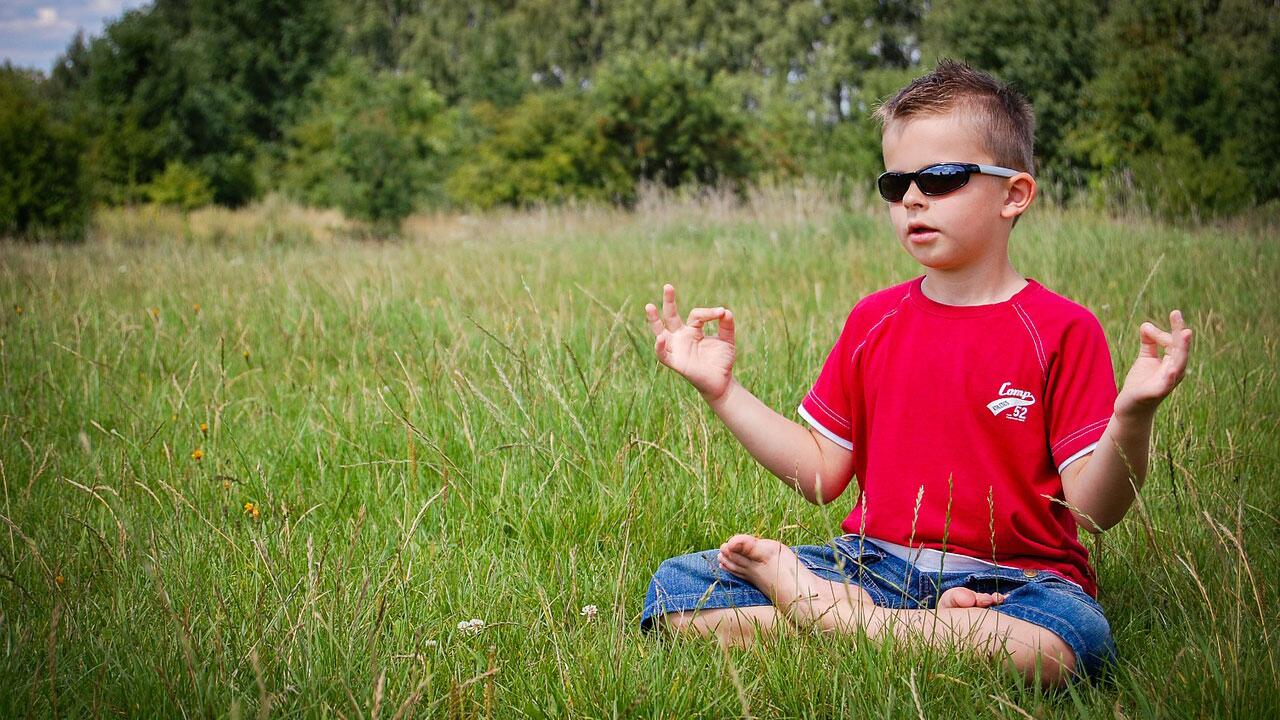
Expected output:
(982, 407)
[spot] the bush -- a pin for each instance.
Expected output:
(545, 149)
(666, 122)
(42, 181)
(370, 144)
(180, 186)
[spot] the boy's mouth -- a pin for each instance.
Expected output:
(920, 232)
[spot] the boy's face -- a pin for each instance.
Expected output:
(963, 229)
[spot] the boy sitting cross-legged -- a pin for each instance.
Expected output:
(977, 409)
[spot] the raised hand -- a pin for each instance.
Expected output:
(1153, 377)
(706, 361)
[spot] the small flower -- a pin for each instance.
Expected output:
(255, 512)
(197, 454)
(471, 627)
(155, 313)
(589, 612)
(204, 427)
(246, 355)
(17, 309)
(226, 484)
(248, 507)
(196, 308)
(59, 579)
(430, 644)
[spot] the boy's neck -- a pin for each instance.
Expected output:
(972, 285)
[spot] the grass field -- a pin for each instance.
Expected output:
(251, 467)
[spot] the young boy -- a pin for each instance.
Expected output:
(977, 409)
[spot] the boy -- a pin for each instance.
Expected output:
(977, 409)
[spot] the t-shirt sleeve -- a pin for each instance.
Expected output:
(1081, 391)
(828, 405)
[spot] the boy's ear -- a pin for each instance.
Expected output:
(1020, 190)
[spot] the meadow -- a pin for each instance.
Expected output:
(253, 465)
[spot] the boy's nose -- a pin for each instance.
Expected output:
(913, 197)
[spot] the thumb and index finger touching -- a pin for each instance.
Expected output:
(1176, 342)
(669, 317)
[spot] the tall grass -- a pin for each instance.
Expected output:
(469, 423)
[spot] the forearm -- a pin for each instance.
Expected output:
(1116, 470)
(783, 446)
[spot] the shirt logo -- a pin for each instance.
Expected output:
(1014, 401)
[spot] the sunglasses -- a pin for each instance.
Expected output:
(938, 179)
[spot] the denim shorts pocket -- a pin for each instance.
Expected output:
(859, 550)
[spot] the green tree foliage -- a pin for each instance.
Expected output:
(666, 123)
(1171, 104)
(42, 184)
(548, 148)
(180, 186)
(1049, 49)
(201, 81)
(1185, 108)
(370, 144)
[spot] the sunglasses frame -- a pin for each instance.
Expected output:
(970, 169)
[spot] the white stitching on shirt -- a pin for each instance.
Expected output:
(879, 322)
(1035, 338)
(827, 409)
(1087, 428)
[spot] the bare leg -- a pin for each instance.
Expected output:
(738, 627)
(832, 607)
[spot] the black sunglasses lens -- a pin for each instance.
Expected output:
(893, 185)
(942, 179)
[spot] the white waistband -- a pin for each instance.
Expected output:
(929, 560)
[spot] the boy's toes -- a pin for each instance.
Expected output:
(960, 597)
(740, 545)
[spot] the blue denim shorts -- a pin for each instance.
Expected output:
(696, 582)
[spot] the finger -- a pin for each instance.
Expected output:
(1152, 337)
(725, 331)
(1176, 323)
(655, 322)
(670, 316)
(700, 316)
(660, 346)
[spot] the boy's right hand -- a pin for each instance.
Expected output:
(706, 361)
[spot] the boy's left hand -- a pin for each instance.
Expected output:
(1153, 377)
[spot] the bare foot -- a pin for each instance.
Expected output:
(778, 573)
(960, 597)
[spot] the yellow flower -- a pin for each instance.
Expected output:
(226, 484)
(246, 354)
(197, 454)
(17, 309)
(248, 507)
(59, 579)
(204, 427)
(155, 312)
(196, 307)
(255, 512)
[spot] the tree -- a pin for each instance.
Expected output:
(42, 187)
(370, 144)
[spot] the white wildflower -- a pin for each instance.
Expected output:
(471, 627)
(430, 644)
(590, 612)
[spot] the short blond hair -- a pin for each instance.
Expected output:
(1003, 116)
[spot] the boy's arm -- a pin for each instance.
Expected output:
(816, 467)
(1100, 488)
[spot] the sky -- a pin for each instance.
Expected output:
(34, 33)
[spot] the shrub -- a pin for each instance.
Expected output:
(545, 149)
(180, 186)
(370, 144)
(666, 122)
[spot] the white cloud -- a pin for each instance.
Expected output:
(45, 20)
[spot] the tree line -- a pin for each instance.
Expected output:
(383, 107)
